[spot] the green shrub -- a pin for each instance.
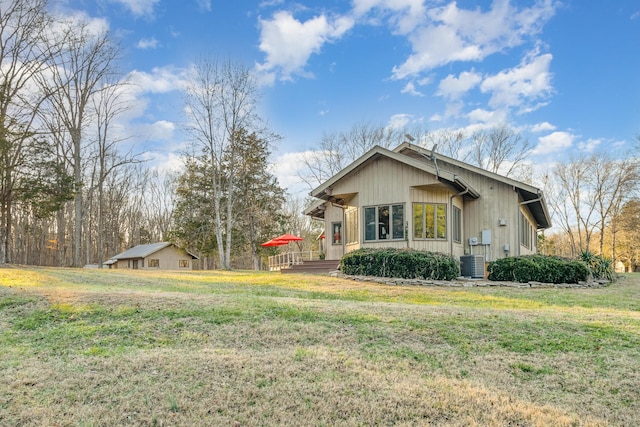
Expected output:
(600, 267)
(538, 268)
(400, 263)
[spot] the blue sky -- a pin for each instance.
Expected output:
(566, 74)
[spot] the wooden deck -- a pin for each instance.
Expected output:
(312, 267)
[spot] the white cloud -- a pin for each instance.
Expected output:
(542, 127)
(289, 43)
(410, 89)
(404, 16)
(514, 87)
(455, 87)
(204, 5)
(590, 145)
(453, 34)
(138, 7)
(554, 142)
(480, 115)
(150, 43)
(160, 80)
(286, 168)
(161, 130)
(398, 121)
(93, 26)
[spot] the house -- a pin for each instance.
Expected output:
(413, 197)
(155, 256)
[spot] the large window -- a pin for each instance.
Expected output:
(384, 222)
(456, 224)
(183, 263)
(154, 263)
(351, 223)
(336, 233)
(526, 232)
(429, 221)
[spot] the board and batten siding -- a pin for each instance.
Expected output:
(168, 259)
(385, 181)
(499, 203)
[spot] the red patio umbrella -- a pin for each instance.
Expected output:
(274, 242)
(287, 238)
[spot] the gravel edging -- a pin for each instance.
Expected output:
(462, 282)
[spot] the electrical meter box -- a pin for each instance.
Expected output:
(486, 237)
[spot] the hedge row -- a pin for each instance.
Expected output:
(538, 268)
(400, 263)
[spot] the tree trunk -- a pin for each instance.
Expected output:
(77, 175)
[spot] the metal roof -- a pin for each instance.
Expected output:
(142, 251)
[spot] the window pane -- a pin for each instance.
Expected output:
(441, 211)
(398, 221)
(418, 221)
(370, 223)
(383, 222)
(352, 226)
(429, 216)
(336, 233)
(457, 224)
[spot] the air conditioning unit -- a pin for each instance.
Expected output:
(472, 266)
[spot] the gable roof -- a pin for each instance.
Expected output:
(531, 196)
(324, 191)
(142, 251)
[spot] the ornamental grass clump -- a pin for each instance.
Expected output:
(538, 268)
(600, 267)
(400, 263)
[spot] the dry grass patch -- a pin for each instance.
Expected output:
(310, 386)
(91, 348)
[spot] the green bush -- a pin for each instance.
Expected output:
(400, 263)
(600, 267)
(538, 268)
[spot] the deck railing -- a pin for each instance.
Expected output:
(287, 259)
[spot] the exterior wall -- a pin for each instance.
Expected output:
(497, 210)
(384, 181)
(332, 214)
(168, 259)
(523, 250)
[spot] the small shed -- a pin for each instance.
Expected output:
(154, 256)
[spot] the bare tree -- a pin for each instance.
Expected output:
(108, 104)
(588, 195)
(499, 149)
(85, 67)
(614, 184)
(338, 149)
(451, 143)
(221, 99)
(23, 56)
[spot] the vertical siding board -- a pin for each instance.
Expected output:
(383, 180)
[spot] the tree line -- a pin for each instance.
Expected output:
(593, 198)
(72, 195)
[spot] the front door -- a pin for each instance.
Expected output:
(135, 264)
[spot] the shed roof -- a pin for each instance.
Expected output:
(142, 251)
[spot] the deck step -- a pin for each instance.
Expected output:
(313, 267)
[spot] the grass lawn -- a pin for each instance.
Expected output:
(107, 348)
